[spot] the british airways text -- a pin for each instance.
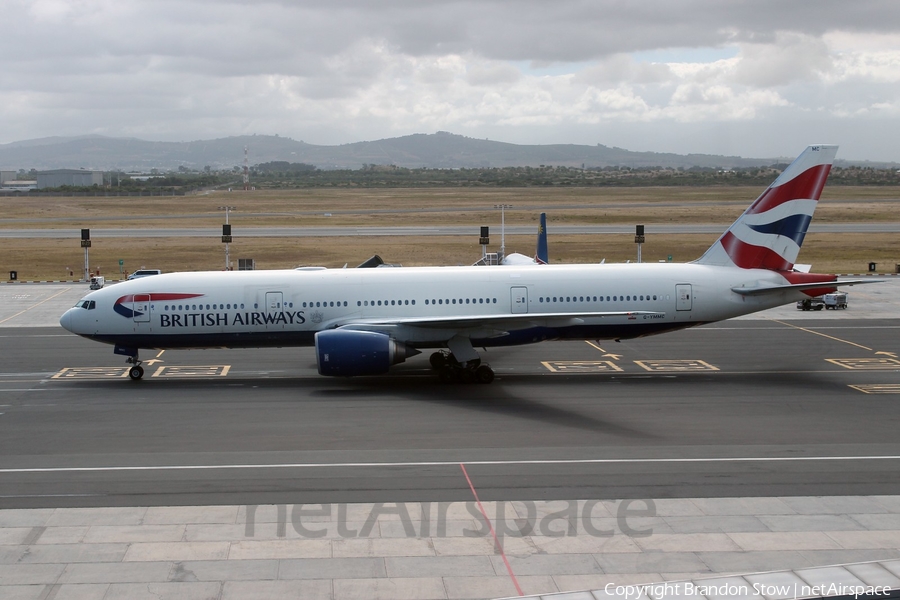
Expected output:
(222, 319)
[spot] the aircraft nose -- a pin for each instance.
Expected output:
(66, 320)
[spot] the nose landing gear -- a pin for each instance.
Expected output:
(137, 371)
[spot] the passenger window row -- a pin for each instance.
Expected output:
(384, 302)
(171, 307)
(91, 304)
(627, 298)
(463, 301)
(321, 304)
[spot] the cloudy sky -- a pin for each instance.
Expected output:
(755, 78)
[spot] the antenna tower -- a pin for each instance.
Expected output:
(246, 170)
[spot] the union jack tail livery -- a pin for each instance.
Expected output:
(769, 233)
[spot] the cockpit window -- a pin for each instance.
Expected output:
(87, 304)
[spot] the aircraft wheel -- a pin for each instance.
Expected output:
(437, 360)
(447, 374)
(136, 372)
(484, 374)
(467, 376)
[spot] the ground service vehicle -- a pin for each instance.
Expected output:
(816, 303)
(835, 301)
(144, 273)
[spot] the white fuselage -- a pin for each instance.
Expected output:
(287, 307)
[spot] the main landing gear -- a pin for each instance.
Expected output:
(450, 370)
(462, 364)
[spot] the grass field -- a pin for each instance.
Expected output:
(38, 258)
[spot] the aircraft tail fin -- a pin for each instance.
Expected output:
(541, 255)
(769, 233)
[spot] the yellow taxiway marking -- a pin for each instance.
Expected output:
(192, 371)
(607, 355)
(675, 365)
(830, 337)
(21, 312)
(581, 366)
(866, 364)
(155, 360)
(878, 388)
(182, 371)
(91, 373)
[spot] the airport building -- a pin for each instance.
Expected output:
(7, 176)
(73, 177)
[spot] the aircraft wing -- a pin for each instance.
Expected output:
(496, 322)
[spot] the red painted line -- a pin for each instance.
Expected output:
(493, 533)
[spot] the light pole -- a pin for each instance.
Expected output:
(502, 208)
(639, 239)
(86, 244)
(226, 234)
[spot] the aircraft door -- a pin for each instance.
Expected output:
(683, 296)
(274, 303)
(140, 307)
(274, 308)
(519, 299)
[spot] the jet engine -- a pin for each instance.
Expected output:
(346, 353)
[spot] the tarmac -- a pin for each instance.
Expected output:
(359, 551)
(447, 550)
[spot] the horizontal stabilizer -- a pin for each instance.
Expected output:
(766, 288)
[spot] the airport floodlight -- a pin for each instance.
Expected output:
(639, 239)
(226, 234)
(503, 208)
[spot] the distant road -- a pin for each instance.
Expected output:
(461, 230)
(528, 207)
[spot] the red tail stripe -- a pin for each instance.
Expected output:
(794, 277)
(807, 185)
(748, 256)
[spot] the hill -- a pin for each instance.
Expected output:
(438, 150)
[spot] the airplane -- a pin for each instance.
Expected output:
(516, 259)
(541, 254)
(363, 321)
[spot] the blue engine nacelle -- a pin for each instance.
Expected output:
(346, 353)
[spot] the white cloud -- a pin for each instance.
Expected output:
(488, 74)
(345, 70)
(788, 58)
